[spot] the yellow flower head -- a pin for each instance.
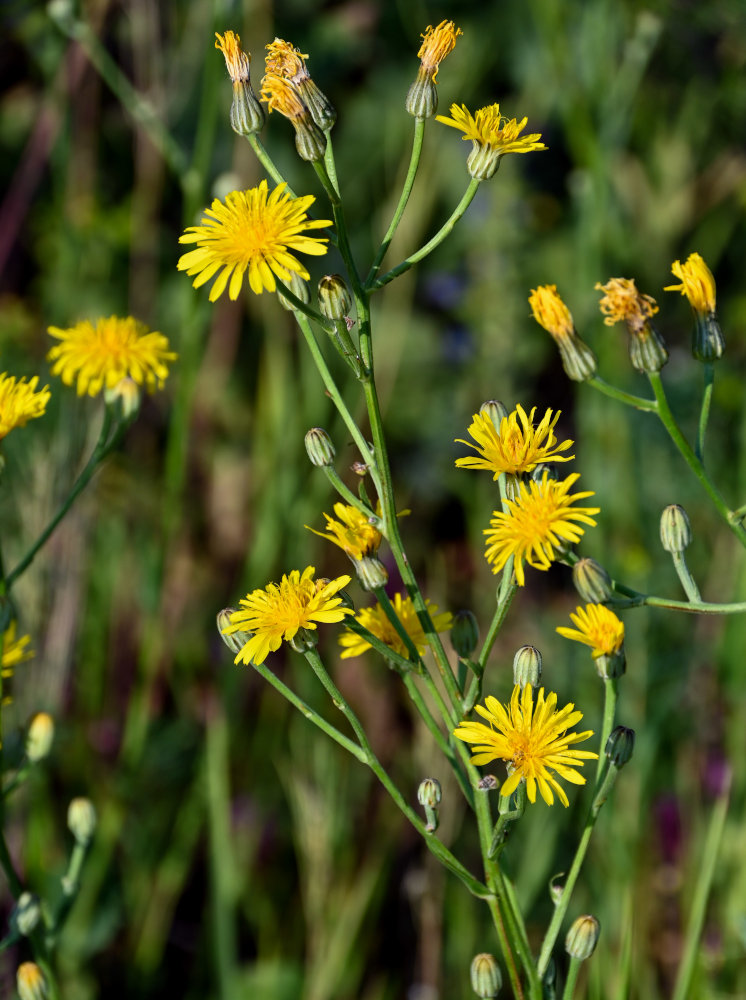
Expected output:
(237, 61)
(490, 130)
(622, 301)
(15, 651)
(280, 610)
(536, 524)
(30, 982)
(697, 283)
(252, 231)
(284, 60)
(517, 447)
(374, 619)
(20, 402)
(436, 44)
(532, 739)
(353, 532)
(99, 357)
(597, 627)
(551, 312)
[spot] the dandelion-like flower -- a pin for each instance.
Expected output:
(375, 620)
(492, 135)
(517, 447)
(253, 231)
(697, 283)
(422, 97)
(622, 301)
(353, 532)
(598, 627)
(20, 402)
(537, 523)
(279, 611)
(247, 114)
(532, 739)
(99, 356)
(550, 312)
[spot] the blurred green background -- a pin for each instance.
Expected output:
(238, 855)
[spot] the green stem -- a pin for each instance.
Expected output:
(329, 162)
(571, 979)
(638, 402)
(299, 306)
(388, 609)
(102, 449)
(444, 231)
(611, 690)
(341, 227)
(440, 851)
(687, 580)
(704, 413)
(674, 431)
(414, 160)
(693, 607)
(344, 491)
(267, 162)
(683, 987)
(334, 393)
(6, 862)
(505, 594)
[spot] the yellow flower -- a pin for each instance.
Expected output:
(252, 231)
(20, 402)
(374, 619)
(15, 651)
(491, 130)
(277, 612)
(517, 447)
(237, 61)
(280, 94)
(532, 739)
(30, 982)
(622, 301)
(538, 521)
(100, 356)
(551, 312)
(697, 283)
(353, 532)
(436, 44)
(284, 60)
(597, 627)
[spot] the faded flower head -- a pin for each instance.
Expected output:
(623, 302)
(437, 43)
(237, 62)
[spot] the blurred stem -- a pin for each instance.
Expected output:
(611, 690)
(687, 580)
(683, 987)
(603, 787)
(571, 979)
(440, 851)
(101, 450)
(638, 402)
(6, 862)
(267, 162)
(419, 132)
(444, 231)
(674, 431)
(704, 413)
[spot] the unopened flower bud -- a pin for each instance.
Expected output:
(81, 820)
(429, 796)
(26, 913)
(592, 581)
(486, 978)
(708, 342)
(322, 110)
(582, 937)
(298, 287)
(611, 665)
(126, 396)
(235, 641)
(465, 633)
(335, 301)
(620, 746)
(30, 982)
(371, 572)
(647, 349)
(496, 412)
(319, 447)
(304, 640)
(310, 141)
(527, 666)
(542, 470)
(422, 97)
(247, 116)
(39, 737)
(676, 532)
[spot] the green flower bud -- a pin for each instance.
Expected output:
(335, 301)
(319, 447)
(465, 633)
(422, 97)
(647, 349)
(592, 581)
(30, 982)
(298, 287)
(611, 665)
(39, 737)
(304, 639)
(81, 820)
(620, 746)
(236, 640)
(708, 342)
(496, 411)
(310, 141)
(676, 532)
(578, 360)
(486, 978)
(126, 396)
(322, 110)
(527, 666)
(247, 114)
(371, 572)
(26, 913)
(429, 796)
(483, 161)
(542, 469)
(582, 937)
